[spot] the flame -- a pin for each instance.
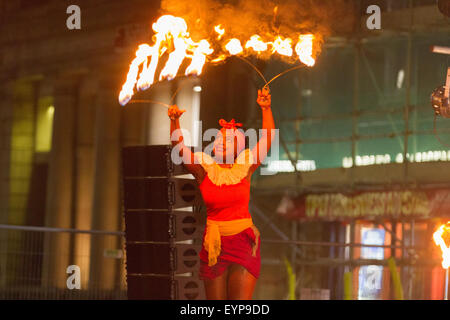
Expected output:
(304, 49)
(256, 43)
(234, 46)
(141, 58)
(275, 12)
(282, 46)
(220, 31)
(219, 58)
(169, 31)
(199, 58)
(439, 238)
(172, 38)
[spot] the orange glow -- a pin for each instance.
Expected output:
(220, 31)
(439, 237)
(275, 10)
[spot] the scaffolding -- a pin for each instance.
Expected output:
(405, 121)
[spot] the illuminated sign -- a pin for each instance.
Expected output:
(286, 165)
(390, 203)
(376, 204)
(426, 156)
(363, 160)
(371, 277)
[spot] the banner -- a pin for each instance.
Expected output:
(379, 204)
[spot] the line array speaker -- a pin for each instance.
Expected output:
(158, 265)
(160, 193)
(161, 258)
(162, 226)
(155, 287)
(150, 161)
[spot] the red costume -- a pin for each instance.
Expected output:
(226, 194)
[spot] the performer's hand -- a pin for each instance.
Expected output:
(264, 99)
(174, 113)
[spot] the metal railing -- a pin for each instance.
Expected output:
(34, 263)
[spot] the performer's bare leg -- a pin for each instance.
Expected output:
(216, 289)
(241, 283)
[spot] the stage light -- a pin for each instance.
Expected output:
(440, 98)
(440, 102)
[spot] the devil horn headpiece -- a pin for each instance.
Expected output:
(229, 125)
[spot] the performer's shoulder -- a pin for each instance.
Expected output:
(203, 158)
(245, 157)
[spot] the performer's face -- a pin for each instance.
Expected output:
(225, 145)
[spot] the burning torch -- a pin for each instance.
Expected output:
(440, 236)
(173, 39)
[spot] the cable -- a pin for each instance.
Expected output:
(262, 76)
(150, 101)
(284, 72)
(243, 59)
(435, 133)
(254, 67)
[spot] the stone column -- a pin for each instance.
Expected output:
(189, 100)
(6, 119)
(84, 157)
(106, 213)
(59, 192)
(158, 123)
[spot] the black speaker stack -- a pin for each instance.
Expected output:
(162, 226)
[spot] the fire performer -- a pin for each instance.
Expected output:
(230, 256)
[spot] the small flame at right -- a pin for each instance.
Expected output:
(440, 236)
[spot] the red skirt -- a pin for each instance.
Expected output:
(234, 249)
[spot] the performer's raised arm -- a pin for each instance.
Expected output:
(261, 149)
(176, 138)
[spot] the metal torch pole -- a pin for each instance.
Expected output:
(446, 284)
